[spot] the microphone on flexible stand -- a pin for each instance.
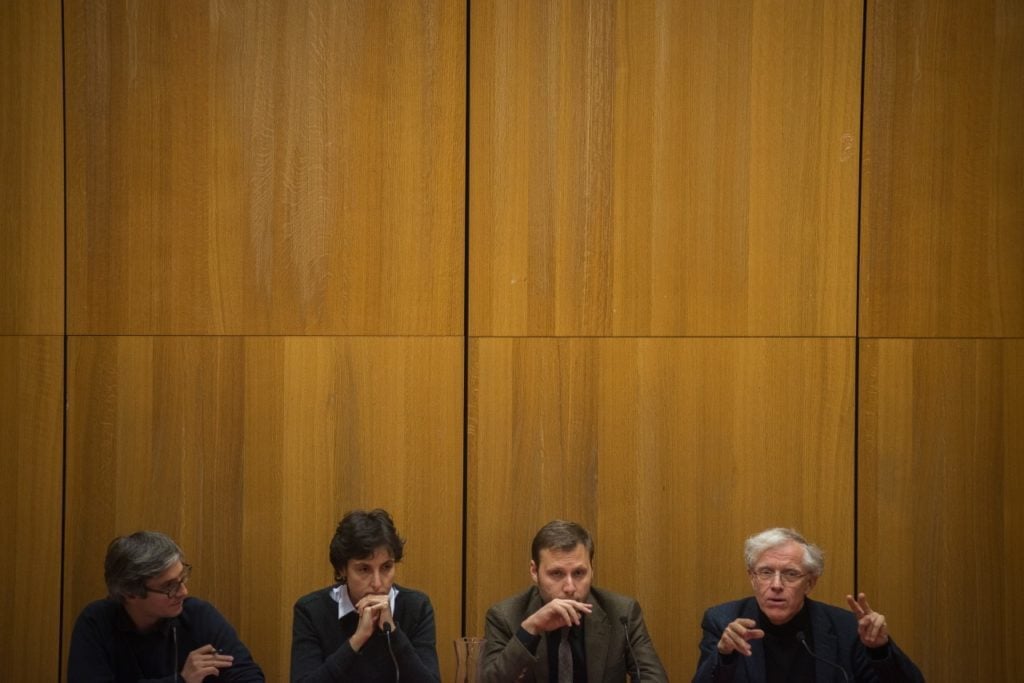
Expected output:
(803, 641)
(387, 634)
(629, 646)
(174, 639)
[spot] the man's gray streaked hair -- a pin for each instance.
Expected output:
(133, 560)
(756, 545)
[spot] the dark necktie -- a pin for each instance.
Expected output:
(564, 658)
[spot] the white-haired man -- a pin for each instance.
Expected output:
(780, 634)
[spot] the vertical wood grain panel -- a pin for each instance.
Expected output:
(265, 167)
(671, 452)
(248, 451)
(31, 433)
(31, 367)
(943, 203)
(349, 423)
(155, 442)
(32, 172)
(664, 168)
(941, 480)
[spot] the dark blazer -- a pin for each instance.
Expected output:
(608, 657)
(321, 651)
(834, 634)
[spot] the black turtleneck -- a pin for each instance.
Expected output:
(785, 659)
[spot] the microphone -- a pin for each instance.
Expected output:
(803, 641)
(174, 639)
(629, 646)
(394, 660)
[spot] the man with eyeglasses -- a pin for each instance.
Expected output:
(149, 628)
(780, 634)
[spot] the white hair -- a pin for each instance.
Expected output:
(756, 545)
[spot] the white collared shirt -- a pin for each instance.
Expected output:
(340, 595)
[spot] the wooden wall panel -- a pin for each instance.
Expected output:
(354, 423)
(672, 452)
(31, 436)
(941, 480)
(943, 201)
(265, 167)
(155, 441)
(664, 168)
(249, 451)
(32, 172)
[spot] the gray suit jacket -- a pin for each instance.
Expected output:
(608, 658)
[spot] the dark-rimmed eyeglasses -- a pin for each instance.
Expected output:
(172, 589)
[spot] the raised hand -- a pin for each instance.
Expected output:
(737, 636)
(556, 614)
(374, 611)
(870, 624)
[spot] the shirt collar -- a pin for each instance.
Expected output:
(340, 595)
